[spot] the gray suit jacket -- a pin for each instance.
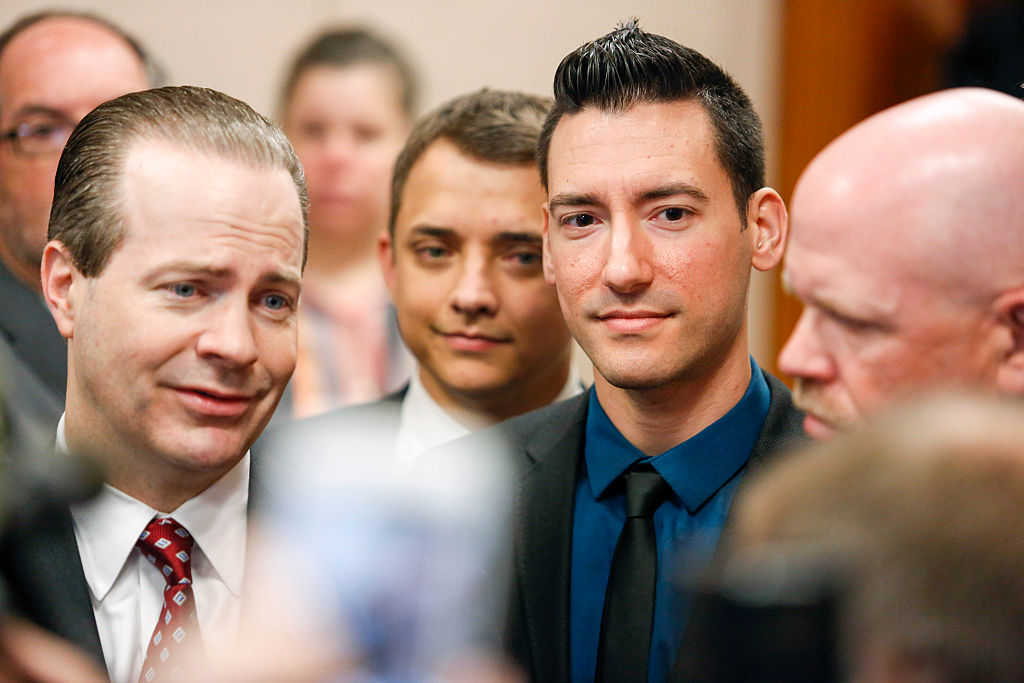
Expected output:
(33, 369)
(546, 448)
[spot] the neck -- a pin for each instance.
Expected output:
(655, 420)
(26, 273)
(331, 259)
(479, 409)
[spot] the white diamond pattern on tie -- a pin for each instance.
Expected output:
(168, 546)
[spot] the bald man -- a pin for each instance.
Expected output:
(907, 249)
(55, 67)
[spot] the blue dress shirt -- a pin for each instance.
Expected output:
(703, 473)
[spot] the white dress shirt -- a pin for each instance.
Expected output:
(127, 591)
(424, 424)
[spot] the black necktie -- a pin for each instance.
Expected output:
(625, 642)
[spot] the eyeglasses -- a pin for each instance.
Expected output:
(36, 138)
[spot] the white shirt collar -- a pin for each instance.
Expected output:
(109, 524)
(424, 424)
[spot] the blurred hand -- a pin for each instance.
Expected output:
(28, 654)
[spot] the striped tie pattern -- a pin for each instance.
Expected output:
(168, 546)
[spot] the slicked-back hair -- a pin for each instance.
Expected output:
(343, 47)
(630, 66)
(496, 126)
(155, 75)
(87, 210)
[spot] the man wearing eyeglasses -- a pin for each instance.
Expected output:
(55, 67)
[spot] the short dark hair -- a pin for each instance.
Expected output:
(630, 66)
(341, 47)
(86, 214)
(155, 74)
(498, 126)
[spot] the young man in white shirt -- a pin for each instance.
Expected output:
(462, 260)
(177, 242)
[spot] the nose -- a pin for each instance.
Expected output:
(339, 148)
(228, 338)
(804, 355)
(628, 266)
(474, 293)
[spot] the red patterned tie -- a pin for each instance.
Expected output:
(168, 546)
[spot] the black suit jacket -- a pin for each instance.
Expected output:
(44, 579)
(546, 447)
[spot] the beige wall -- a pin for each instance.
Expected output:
(241, 47)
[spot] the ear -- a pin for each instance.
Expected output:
(1009, 309)
(386, 257)
(549, 269)
(768, 227)
(60, 280)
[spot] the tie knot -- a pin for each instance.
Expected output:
(645, 491)
(168, 546)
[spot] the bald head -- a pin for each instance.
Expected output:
(54, 69)
(907, 247)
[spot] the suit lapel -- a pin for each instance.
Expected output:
(545, 538)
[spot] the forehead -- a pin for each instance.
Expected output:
(643, 145)
(446, 188)
(184, 202)
(67, 64)
(361, 86)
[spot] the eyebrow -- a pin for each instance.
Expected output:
(432, 231)
(671, 190)
(517, 237)
(40, 110)
(675, 189)
(570, 199)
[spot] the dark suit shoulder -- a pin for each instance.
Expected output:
(783, 426)
(528, 426)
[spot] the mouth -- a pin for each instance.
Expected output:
(211, 402)
(818, 428)
(632, 321)
(473, 340)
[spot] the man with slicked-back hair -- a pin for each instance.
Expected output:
(173, 270)
(653, 162)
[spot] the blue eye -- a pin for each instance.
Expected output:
(184, 290)
(275, 302)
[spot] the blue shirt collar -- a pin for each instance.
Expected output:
(696, 468)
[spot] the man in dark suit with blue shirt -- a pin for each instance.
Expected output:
(653, 161)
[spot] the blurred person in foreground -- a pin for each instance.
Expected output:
(907, 250)
(177, 241)
(916, 521)
(462, 260)
(55, 67)
(347, 105)
(656, 212)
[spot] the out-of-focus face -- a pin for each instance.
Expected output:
(51, 75)
(876, 324)
(464, 271)
(347, 125)
(181, 347)
(645, 245)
